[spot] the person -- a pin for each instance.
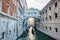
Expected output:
(33, 32)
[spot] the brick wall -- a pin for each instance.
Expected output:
(13, 7)
(4, 6)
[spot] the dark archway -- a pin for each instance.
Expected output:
(38, 20)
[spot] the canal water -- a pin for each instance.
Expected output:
(36, 36)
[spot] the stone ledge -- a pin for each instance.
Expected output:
(2, 13)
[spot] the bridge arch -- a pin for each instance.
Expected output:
(28, 18)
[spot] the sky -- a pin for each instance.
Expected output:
(37, 4)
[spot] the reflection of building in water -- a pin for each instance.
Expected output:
(31, 36)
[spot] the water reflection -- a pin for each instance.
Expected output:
(30, 34)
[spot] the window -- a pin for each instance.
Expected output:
(50, 28)
(50, 17)
(49, 8)
(8, 9)
(9, 32)
(55, 15)
(56, 4)
(56, 29)
(46, 27)
(14, 30)
(3, 35)
(45, 10)
(46, 18)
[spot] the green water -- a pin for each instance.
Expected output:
(38, 36)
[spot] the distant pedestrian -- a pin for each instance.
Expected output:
(33, 31)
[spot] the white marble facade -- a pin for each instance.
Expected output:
(51, 24)
(31, 13)
(7, 28)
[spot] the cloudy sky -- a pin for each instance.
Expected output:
(39, 4)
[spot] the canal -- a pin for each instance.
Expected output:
(37, 36)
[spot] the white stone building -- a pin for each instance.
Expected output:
(8, 25)
(7, 28)
(50, 19)
(21, 9)
(11, 27)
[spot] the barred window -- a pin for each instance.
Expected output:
(50, 28)
(50, 17)
(55, 15)
(56, 29)
(3, 35)
(9, 32)
(56, 4)
(45, 10)
(49, 8)
(46, 18)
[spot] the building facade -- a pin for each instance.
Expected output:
(10, 7)
(21, 10)
(8, 19)
(50, 19)
(30, 13)
(11, 18)
(24, 4)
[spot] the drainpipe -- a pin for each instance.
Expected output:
(7, 28)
